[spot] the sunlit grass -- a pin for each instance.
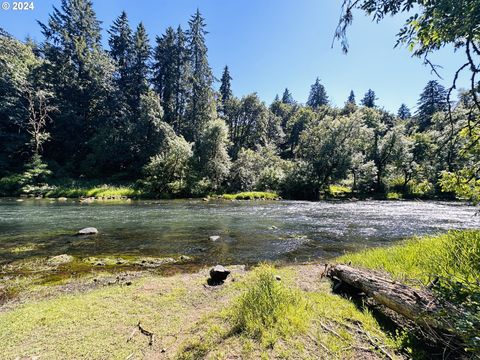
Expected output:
(455, 254)
(98, 191)
(338, 190)
(252, 195)
(269, 309)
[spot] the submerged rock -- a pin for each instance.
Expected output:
(214, 237)
(218, 275)
(62, 198)
(88, 231)
(60, 259)
(151, 262)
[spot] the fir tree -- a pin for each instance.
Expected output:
(140, 67)
(351, 98)
(182, 80)
(404, 112)
(432, 99)
(287, 97)
(318, 95)
(201, 79)
(225, 87)
(164, 79)
(369, 99)
(80, 73)
(121, 49)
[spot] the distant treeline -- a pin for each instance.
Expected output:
(149, 115)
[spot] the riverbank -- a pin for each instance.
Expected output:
(95, 315)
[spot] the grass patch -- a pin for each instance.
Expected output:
(252, 195)
(273, 319)
(98, 191)
(454, 255)
(268, 309)
(394, 196)
(452, 258)
(338, 190)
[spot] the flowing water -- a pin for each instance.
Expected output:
(249, 231)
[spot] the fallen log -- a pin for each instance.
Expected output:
(417, 305)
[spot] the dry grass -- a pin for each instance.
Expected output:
(189, 320)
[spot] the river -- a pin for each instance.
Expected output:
(249, 232)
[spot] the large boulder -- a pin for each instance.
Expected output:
(218, 274)
(88, 231)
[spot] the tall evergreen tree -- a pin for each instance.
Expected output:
(121, 49)
(287, 97)
(140, 69)
(164, 79)
(318, 95)
(81, 74)
(182, 80)
(226, 87)
(369, 99)
(432, 99)
(404, 112)
(351, 98)
(200, 104)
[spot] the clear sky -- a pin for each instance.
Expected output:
(273, 44)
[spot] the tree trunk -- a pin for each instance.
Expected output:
(418, 305)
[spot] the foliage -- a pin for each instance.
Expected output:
(318, 95)
(97, 114)
(369, 99)
(167, 171)
(262, 169)
(433, 99)
(211, 154)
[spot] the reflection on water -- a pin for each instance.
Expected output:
(249, 231)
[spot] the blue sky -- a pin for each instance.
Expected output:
(273, 44)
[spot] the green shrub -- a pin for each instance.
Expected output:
(268, 309)
(10, 185)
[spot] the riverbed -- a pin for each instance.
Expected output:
(249, 231)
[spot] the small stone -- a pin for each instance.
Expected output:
(62, 198)
(278, 278)
(128, 283)
(205, 199)
(88, 231)
(214, 237)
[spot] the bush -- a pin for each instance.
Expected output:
(10, 185)
(166, 172)
(268, 309)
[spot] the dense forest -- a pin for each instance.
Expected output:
(72, 112)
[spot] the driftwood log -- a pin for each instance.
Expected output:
(418, 305)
